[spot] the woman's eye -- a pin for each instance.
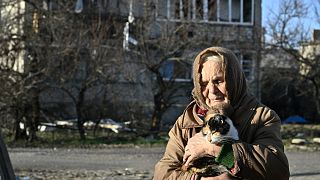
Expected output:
(203, 84)
(217, 82)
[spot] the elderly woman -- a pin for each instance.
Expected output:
(220, 82)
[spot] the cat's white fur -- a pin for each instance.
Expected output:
(232, 134)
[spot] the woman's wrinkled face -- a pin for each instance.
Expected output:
(213, 85)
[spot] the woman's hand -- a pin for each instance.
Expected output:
(199, 146)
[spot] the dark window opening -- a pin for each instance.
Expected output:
(212, 10)
(166, 69)
(199, 9)
(247, 11)
(175, 69)
(162, 7)
(247, 65)
(236, 10)
(186, 9)
(176, 9)
(230, 11)
(224, 10)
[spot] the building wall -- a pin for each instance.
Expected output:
(309, 51)
(136, 85)
(240, 34)
(241, 37)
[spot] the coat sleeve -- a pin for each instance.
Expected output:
(262, 156)
(169, 166)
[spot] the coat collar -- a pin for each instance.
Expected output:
(190, 117)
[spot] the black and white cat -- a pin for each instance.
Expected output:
(217, 129)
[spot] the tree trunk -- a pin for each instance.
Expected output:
(157, 114)
(81, 129)
(80, 121)
(16, 127)
(33, 120)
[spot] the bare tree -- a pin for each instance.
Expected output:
(317, 10)
(286, 31)
(65, 51)
(23, 85)
(160, 44)
(85, 62)
(176, 38)
(78, 53)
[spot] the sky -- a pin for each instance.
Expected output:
(273, 5)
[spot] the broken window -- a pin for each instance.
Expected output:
(186, 9)
(212, 10)
(199, 9)
(236, 8)
(176, 9)
(247, 65)
(226, 11)
(180, 9)
(162, 10)
(174, 69)
(166, 69)
(247, 10)
(50, 5)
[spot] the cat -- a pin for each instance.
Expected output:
(217, 129)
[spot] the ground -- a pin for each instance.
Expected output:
(123, 163)
(104, 163)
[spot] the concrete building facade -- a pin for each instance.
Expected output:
(139, 30)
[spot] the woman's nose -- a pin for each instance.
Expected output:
(212, 88)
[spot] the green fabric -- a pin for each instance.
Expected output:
(226, 156)
(198, 177)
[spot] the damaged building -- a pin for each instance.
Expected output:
(142, 49)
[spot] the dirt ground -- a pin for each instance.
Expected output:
(105, 163)
(120, 163)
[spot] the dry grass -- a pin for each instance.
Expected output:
(290, 131)
(303, 131)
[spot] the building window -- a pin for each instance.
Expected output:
(212, 10)
(177, 9)
(235, 11)
(50, 5)
(247, 11)
(247, 66)
(176, 70)
(209, 11)
(198, 10)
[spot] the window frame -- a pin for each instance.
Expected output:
(192, 12)
(250, 70)
(188, 71)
